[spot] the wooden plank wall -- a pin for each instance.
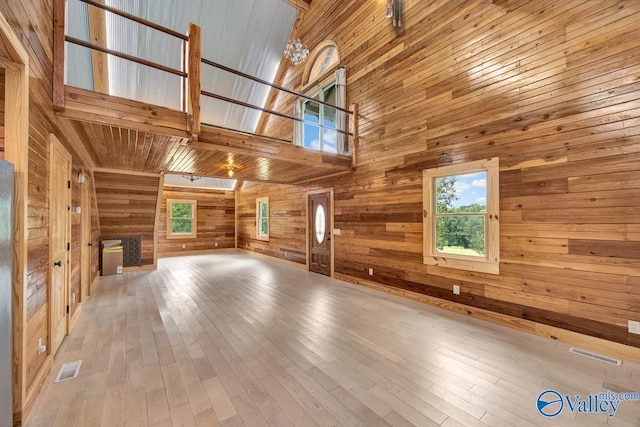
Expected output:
(127, 206)
(1, 113)
(216, 216)
(287, 220)
(32, 22)
(76, 224)
(552, 89)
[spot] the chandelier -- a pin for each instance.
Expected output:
(191, 177)
(296, 52)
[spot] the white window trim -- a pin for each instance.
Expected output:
(490, 263)
(298, 107)
(194, 220)
(259, 236)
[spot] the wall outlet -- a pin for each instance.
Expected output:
(216, 244)
(73, 298)
(285, 253)
(456, 289)
(371, 272)
(336, 231)
(41, 348)
(184, 246)
(634, 327)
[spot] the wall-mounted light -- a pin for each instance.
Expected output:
(389, 9)
(80, 177)
(393, 10)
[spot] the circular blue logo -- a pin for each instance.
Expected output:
(550, 403)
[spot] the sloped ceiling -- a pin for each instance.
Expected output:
(246, 35)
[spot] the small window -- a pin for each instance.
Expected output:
(325, 57)
(461, 228)
(181, 219)
(262, 218)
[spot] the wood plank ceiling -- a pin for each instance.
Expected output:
(113, 147)
(128, 135)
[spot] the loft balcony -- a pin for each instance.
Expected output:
(126, 134)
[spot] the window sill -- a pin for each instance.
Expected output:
(481, 266)
(181, 236)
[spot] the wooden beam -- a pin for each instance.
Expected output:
(98, 34)
(302, 5)
(194, 63)
(353, 139)
(126, 172)
(58, 53)
(217, 139)
(76, 144)
(88, 106)
(156, 222)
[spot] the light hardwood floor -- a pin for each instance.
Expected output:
(233, 340)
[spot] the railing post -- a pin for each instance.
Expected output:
(194, 78)
(353, 139)
(59, 7)
(98, 34)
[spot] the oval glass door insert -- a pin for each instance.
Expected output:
(320, 221)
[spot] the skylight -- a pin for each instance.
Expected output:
(200, 182)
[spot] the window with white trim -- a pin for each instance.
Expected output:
(262, 218)
(181, 219)
(319, 130)
(461, 207)
(323, 126)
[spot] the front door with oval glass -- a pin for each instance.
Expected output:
(320, 233)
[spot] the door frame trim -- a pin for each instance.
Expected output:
(331, 213)
(85, 239)
(16, 151)
(54, 143)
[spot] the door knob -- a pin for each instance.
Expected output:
(58, 263)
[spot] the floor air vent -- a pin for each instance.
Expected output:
(595, 356)
(69, 371)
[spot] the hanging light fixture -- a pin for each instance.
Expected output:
(230, 168)
(191, 177)
(296, 52)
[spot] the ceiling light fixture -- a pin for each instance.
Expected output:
(230, 168)
(296, 52)
(191, 177)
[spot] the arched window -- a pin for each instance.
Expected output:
(324, 57)
(322, 80)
